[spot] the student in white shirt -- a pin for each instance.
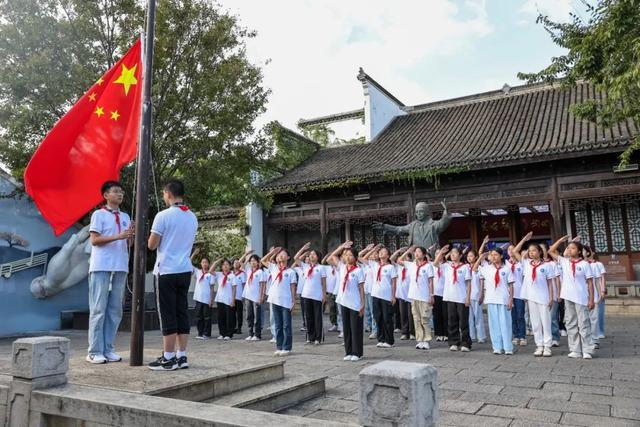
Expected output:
(578, 294)
(254, 294)
(602, 285)
(172, 234)
(241, 278)
(314, 292)
(420, 272)
(476, 315)
(111, 233)
(519, 325)
(351, 299)
(407, 328)
(202, 295)
(331, 280)
(440, 315)
(457, 295)
(554, 273)
(370, 322)
(225, 298)
(383, 292)
(598, 295)
(537, 289)
(282, 296)
(497, 283)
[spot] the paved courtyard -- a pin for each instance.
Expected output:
(476, 388)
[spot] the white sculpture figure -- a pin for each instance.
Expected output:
(66, 268)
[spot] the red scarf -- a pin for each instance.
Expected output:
(439, 273)
(251, 276)
(418, 270)
(333, 271)
(346, 276)
(496, 277)
(380, 271)
(455, 272)
(181, 206)
(513, 266)
(310, 272)
(404, 273)
(573, 266)
(534, 273)
(202, 277)
(224, 279)
(117, 214)
(280, 271)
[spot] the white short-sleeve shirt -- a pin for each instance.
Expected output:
(419, 275)
(281, 281)
(332, 278)
(383, 280)
(496, 293)
(455, 291)
(403, 282)
(241, 278)
(112, 256)
(313, 281)
(349, 281)
(368, 278)
(438, 281)
(177, 229)
(518, 275)
(302, 280)
(252, 286)
(224, 287)
(575, 288)
(202, 291)
(475, 286)
(537, 289)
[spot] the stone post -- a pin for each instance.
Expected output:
(398, 394)
(37, 363)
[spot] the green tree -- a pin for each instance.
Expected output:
(206, 93)
(605, 50)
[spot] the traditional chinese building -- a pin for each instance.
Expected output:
(507, 162)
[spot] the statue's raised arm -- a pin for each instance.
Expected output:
(396, 230)
(443, 223)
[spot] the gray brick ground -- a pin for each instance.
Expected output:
(596, 421)
(461, 406)
(608, 400)
(465, 420)
(605, 390)
(521, 413)
(627, 412)
(532, 392)
(575, 407)
(483, 388)
(498, 399)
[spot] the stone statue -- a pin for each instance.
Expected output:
(423, 231)
(66, 268)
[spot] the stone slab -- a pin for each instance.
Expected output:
(575, 407)
(37, 357)
(520, 413)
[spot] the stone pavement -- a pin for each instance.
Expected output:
(476, 388)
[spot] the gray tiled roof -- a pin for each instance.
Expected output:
(530, 123)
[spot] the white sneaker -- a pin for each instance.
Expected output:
(555, 344)
(355, 358)
(538, 352)
(419, 346)
(385, 345)
(255, 338)
(373, 336)
(412, 337)
(563, 333)
(347, 358)
(199, 337)
(497, 352)
(438, 339)
(425, 345)
(220, 337)
(96, 359)
(600, 337)
(340, 335)
(546, 352)
(271, 340)
(445, 338)
(379, 345)
(307, 342)
(333, 328)
(515, 341)
(113, 357)
(574, 355)
(276, 353)
(482, 341)
(453, 348)
(316, 342)
(285, 353)
(404, 337)
(226, 338)
(509, 353)
(586, 356)
(397, 331)
(465, 349)
(249, 338)
(523, 341)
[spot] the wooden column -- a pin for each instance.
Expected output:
(555, 208)
(474, 232)
(347, 230)
(514, 225)
(324, 227)
(411, 202)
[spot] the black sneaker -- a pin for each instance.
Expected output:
(162, 364)
(182, 363)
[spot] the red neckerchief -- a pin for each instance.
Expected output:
(418, 269)
(380, 265)
(202, 277)
(333, 271)
(310, 272)
(439, 272)
(455, 272)
(224, 279)
(280, 271)
(404, 273)
(496, 277)
(513, 266)
(117, 214)
(181, 206)
(535, 267)
(346, 276)
(251, 276)
(573, 266)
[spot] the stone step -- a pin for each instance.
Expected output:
(277, 395)
(201, 390)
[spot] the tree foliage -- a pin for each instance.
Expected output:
(605, 50)
(206, 93)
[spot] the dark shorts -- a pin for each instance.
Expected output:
(173, 305)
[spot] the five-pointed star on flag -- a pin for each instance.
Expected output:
(127, 78)
(115, 115)
(92, 96)
(99, 112)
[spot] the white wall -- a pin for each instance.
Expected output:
(379, 110)
(254, 220)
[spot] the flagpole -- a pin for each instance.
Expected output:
(142, 199)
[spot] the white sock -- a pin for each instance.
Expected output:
(169, 355)
(182, 354)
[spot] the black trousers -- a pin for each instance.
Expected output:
(352, 328)
(458, 318)
(303, 309)
(440, 328)
(313, 313)
(255, 312)
(203, 317)
(333, 309)
(406, 318)
(239, 314)
(397, 317)
(173, 304)
(383, 313)
(226, 320)
(561, 325)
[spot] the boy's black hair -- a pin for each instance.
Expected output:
(175, 187)
(108, 185)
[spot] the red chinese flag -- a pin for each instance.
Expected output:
(89, 145)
